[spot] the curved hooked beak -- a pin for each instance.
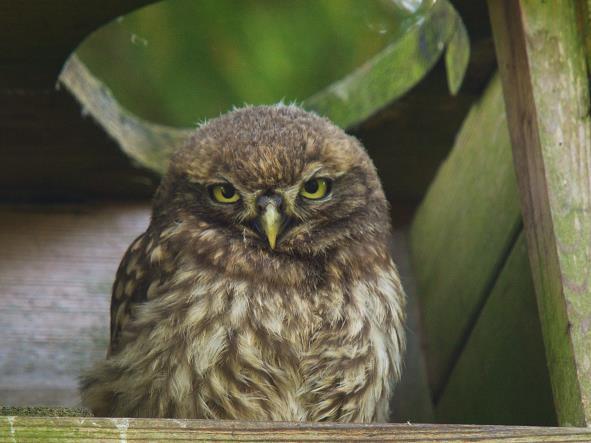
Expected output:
(270, 217)
(270, 220)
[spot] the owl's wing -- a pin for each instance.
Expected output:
(131, 286)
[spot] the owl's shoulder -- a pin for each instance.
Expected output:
(144, 266)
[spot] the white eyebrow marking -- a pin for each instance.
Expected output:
(314, 168)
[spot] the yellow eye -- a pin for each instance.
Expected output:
(224, 193)
(316, 188)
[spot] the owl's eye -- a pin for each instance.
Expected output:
(316, 188)
(224, 193)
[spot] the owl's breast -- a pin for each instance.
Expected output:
(223, 348)
(246, 344)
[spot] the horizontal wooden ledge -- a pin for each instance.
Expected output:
(22, 428)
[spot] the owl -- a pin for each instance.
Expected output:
(263, 288)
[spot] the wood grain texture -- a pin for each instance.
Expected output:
(542, 63)
(501, 377)
(463, 231)
(57, 265)
(32, 429)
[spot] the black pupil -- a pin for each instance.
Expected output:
(311, 187)
(228, 191)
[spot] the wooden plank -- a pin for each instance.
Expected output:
(542, 63)
(57, 265)
(32, 429)
(463, 232)
(501, 377)
(44, 411)
(148, 143)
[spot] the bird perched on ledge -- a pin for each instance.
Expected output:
(263, 288)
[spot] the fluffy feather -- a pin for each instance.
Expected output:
(207, 321)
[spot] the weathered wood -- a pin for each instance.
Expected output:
(463, 232)
(44, 411)
(501, 377)
(397, 68)
(148, 143)
(28, 429)
(542, 63)
(57, 265)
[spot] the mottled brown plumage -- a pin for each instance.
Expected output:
(282, 305)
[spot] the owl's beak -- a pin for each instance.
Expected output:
(271, 222)
(270, 218)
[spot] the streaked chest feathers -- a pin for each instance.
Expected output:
(226, 348)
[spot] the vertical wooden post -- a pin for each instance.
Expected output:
(541, 59)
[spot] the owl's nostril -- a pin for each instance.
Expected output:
(269, 199)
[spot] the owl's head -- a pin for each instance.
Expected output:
(277, 179)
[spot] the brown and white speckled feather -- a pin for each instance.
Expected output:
(208, 322)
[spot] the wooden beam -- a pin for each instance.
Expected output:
(32, 429)
(542, 64)
(462, 233)
(501, 377)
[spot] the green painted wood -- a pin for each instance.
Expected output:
(501, 377)
(42, 411)
(541, 56)
(463, 231)
(43, 429)
(397, 68)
